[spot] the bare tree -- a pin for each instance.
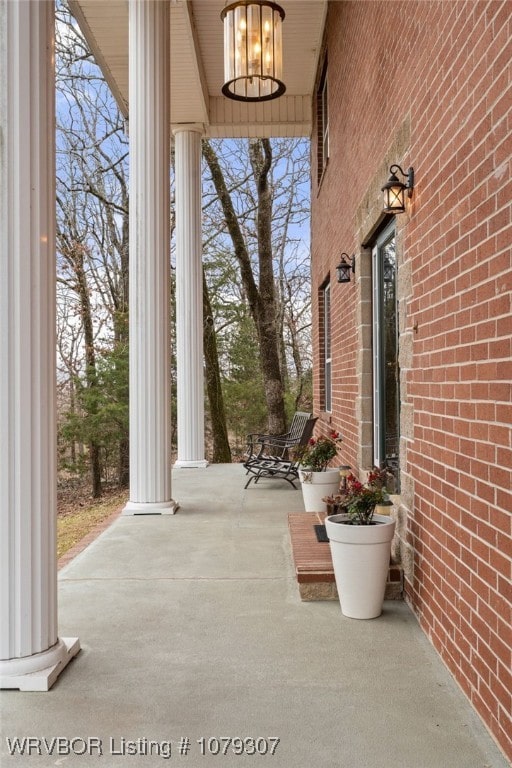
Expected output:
(262, 187)
(263, 203)
(92, 238)
(221, 449)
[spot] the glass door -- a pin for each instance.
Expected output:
(386, 372)
(327, 349)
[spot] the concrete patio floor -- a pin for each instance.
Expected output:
(191, 627)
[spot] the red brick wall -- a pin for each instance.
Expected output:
(438, 74)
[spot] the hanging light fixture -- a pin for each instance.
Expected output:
(253, 59)
(394, 190)
(345, 267)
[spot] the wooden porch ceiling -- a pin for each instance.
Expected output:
(197, 65)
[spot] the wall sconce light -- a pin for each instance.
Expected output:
(253, 56)
(345, 267)
(394, 190)
(388, 270)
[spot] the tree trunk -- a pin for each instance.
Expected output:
(221, 449)
(72, 446)
(123, 474)
(120, 300)
(261, 298)
(90, 363)
(260, 153)
(121, 335)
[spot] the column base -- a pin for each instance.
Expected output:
(39, 671)
(199, 464)
(151, 508)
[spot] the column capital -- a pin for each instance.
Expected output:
(180, 127)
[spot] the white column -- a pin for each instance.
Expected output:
(149, 77)
(189, 297)
(31, 653)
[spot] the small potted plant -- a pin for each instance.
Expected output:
(335, 503)
(360, 542)
(317, 479)
(381, 477)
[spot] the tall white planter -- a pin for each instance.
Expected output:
(360, 556)
(316, 485)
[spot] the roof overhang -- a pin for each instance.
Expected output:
(197, 65)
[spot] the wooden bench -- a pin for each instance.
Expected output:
(313, 564)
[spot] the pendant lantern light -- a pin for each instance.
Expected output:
(253, 58)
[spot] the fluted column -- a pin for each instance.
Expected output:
(150, 449)
(31, 653)
(189, 297)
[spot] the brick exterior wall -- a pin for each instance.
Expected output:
(428, 84)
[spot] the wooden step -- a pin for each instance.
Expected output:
(313, 564)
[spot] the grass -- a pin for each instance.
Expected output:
(79, 519)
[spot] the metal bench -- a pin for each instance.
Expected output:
(268, 456)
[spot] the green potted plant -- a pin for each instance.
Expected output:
(316, 478)
(360, 542)
(381, 477)
(335, 503)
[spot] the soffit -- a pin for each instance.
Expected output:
(197, 65)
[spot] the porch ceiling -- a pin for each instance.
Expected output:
(197, 65)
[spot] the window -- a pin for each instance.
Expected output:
(327, 347)
(386, 373)
(323, 123)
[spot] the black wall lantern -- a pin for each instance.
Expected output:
(394, 190)
(388, 270)
(253, 55)
(345, 267)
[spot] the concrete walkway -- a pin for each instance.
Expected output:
(192, 629)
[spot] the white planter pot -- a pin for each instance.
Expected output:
(360, 556)
(316, 485)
